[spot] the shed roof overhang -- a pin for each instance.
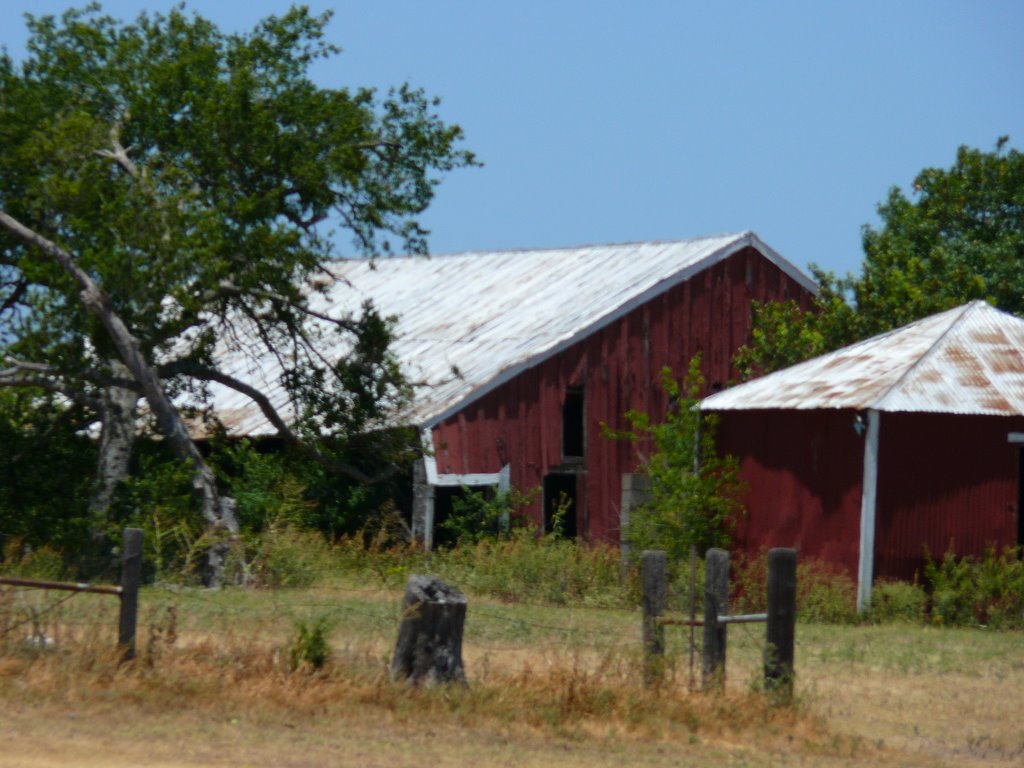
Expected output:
(967, 360)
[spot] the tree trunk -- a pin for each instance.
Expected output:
(429, 645)
(117, 436)
(218, 512)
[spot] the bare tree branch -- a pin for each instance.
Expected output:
(119, 154)
(58, 388)
(284, 431)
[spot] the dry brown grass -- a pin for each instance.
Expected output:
(212, 686)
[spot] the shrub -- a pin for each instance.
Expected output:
(23, 561)
(897, 601)
(287, 557)
(825, 593)
(527, 567)
(481, 515)
(695, 494)
(967, 591)
(310, 647)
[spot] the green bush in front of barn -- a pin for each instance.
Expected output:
(986, 591)
(695, 493)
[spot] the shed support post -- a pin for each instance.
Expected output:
(869, 496)
(422, 505)
(428, 530)
(716, 603)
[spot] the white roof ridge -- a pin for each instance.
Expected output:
(746, 233)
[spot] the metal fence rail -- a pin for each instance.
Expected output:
(128, 591)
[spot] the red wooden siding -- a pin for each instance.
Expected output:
(944, 481)
(803, 475)
(618, 366)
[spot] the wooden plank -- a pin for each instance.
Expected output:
(781, 634)
(131, 578)
(716, 600)
(653, 564)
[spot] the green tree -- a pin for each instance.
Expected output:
(958, 237)
(168, 194)
(42, 448)
(695, 493)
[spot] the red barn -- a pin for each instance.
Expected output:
(524, 354)
(866, 456)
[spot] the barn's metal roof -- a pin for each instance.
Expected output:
(968, 360)
(489, 315)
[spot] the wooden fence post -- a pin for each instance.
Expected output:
(716, 603)
(131, 576)
(781, 639)
(653, 577)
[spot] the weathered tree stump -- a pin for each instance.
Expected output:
(429, 645)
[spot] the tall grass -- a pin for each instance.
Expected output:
(518, 567)
(268, 666)
(522, 566)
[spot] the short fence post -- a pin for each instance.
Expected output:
(131, 576)
(716, 603)
(781, 639)
(653, 577)
(428, 649)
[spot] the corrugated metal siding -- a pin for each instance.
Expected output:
(803, 476)
(944, 481)
(620, 368)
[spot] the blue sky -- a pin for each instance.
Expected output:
(614, 121)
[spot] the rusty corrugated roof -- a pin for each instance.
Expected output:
(968, 360)
(488, 315)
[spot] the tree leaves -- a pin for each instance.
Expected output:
(195, 176)
(958, 237)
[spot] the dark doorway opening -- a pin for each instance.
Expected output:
(573, 432)
(446, 500)
(560, 505)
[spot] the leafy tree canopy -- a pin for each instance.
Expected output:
(166, 188)
(958, 237)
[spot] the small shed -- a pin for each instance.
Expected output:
(873, 455)
(524, 354)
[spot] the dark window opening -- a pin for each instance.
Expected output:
(560, 505)
(450, 500)
(573, 437)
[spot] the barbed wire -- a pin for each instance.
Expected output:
(35, 615)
